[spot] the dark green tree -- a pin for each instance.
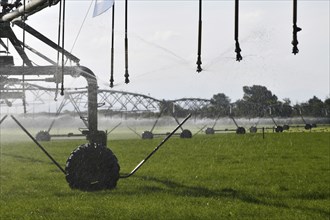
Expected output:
(258, 100)
(315, 107)
(220, 104)
(243, 108)
(168, 108)
(259, 95)
(286, 108)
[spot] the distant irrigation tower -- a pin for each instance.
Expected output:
(19, 96)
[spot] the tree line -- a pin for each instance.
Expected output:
(257, 101)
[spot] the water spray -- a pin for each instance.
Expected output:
(38, 144)
(185, 133)
(93, 166)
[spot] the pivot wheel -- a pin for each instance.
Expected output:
(240, 130)
(279, 129)
(209, 131)
(286, 127)
(92, 167)
(186, 134)
(147, 135)
(308, 126)
(253, 129)
(43, 136)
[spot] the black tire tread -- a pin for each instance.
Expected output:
(92, 167)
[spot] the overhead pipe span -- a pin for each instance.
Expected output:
(73, 71)
(31, 7)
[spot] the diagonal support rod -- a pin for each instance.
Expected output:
(156, 149)
(200, 130)
(46, 40)
(176, 120)
(38, 144)
(274, 121)
(216, 120)
(3, 118)
(4, 45)
(232, 118)
(38, 53)
(159, 115)
(108, 132)
(134, 131)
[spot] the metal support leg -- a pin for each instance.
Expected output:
(39, 145)
(156, 149)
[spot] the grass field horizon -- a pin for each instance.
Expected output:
(132, 128)
(221, 176)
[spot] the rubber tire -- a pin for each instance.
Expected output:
(147, 135)
(43, 136)
(92, 167)
(240, 130)
(308, 127)
(209, 131)
(278, 129)
(253, 129)
(186, 134)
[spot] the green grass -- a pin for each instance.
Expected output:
(222, 176)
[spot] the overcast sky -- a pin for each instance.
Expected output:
(163, 47)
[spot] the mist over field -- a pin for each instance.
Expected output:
(125, 127)
(104, 122)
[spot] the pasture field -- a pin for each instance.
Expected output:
(221, 176)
